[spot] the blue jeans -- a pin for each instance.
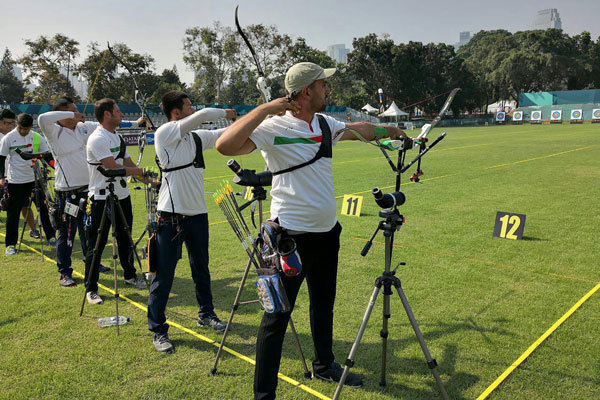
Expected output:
(193, 231)
(64, 242)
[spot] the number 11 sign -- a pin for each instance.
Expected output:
(509, 225)
(351, 205)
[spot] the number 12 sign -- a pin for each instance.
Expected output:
(509, 225)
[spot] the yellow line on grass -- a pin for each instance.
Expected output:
(391, 186)
(536, 344)
(539, 158)
(285, 378)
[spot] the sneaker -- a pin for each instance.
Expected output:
(10, 251)
(212, 322)
(334, 374)
(93, 298)
(66, 280)
(103, 269)
(136, 282)
(163, 344)
(52, 241)
(34, 233)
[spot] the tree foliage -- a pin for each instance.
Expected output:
(47, 61)
(11, 88)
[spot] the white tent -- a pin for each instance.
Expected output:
(369, 108)
(393, 111)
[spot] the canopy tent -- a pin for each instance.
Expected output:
(369, 109)
(393, 111)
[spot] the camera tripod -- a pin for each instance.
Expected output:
(37, 197)
(259, 194)
(111, 208)
(392, 221)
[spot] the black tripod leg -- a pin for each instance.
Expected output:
(94, 257)
(350, 360)
(431, 362)
(307, 373)
(38, 203)
(25, 223)
(132, 247)
(387, 291)
(236, 304)
(141, 237)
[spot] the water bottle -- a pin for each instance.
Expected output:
(112, 321)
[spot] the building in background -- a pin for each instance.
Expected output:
(546, 19)
(338, 52)
(463, 38)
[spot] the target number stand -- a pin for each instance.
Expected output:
(517, 118)
(500, 117)
(351, 205)
(576, 117)
(536, 117)
(556, 117)
(509, 225)
(596, 115)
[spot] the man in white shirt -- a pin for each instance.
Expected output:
(303, 201)
(67, 133)
(21, 178)
(182, 210)
(107, 149)
(7, 124)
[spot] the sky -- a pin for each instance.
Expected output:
(158, 27)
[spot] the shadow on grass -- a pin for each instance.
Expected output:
(534, 239)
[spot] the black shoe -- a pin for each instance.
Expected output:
(66, 280)
(104, 269)
(212, 322)
(334, 374)
(34, 233)
(163, 344)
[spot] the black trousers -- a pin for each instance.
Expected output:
(319, 256)
(125, 251)
(68, 227)
(18, 198)
(193, 231)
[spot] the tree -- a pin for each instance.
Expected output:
(213, 53)
(108, 78)
(168, 80)
(11, 88)
(47, 61)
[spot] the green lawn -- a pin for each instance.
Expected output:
(480, 301)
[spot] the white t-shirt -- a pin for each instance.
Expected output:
(68, 147)
(6, 162)
(100, 145)
(182, 191)
(19, 170)
(302, 199)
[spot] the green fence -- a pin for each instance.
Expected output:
(563, 97)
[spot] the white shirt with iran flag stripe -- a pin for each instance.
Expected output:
(302, 199)
(19, 170)
(100, 145)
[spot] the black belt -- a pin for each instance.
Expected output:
(81, 189)
(171, 217)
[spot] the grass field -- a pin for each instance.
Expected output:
(480, 301)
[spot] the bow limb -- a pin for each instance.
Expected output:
(140, 100)
(261, 82)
